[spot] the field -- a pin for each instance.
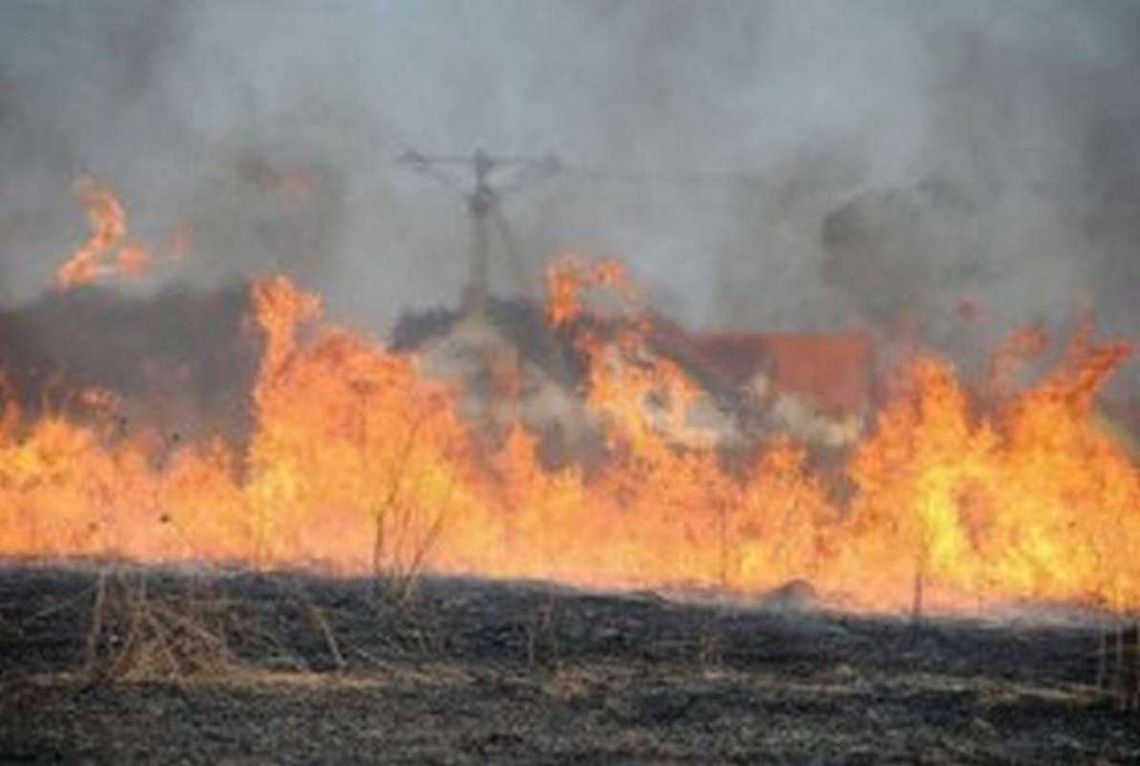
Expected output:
(133, 666)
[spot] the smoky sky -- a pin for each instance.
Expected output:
(783, 165)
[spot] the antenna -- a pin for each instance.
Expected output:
(482, 204)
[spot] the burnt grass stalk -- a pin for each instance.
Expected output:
(463, 670)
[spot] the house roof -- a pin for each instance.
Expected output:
(834, 369)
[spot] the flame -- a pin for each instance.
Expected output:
(109, 253)
(359, 462)
(98, 258)
(569, 278)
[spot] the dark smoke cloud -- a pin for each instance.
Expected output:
(875, 158)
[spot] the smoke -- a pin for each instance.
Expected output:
(784, 165)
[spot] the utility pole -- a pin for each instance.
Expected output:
(482, 204)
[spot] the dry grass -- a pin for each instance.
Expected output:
(136, 635)
(542, 646)
(199, 667)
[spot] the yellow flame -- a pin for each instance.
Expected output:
(359, 463)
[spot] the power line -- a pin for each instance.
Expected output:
(494, 176)
(551, 164)
(679, 178)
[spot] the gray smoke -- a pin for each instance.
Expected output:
(784, 165)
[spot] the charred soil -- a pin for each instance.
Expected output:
(121, 665)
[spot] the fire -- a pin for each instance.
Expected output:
(107, 252)
(569, 278)
(358, 462)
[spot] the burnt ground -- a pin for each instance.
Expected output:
(283, 668)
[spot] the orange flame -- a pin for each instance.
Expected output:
(98, 259)
(359, 463)
(568, 278)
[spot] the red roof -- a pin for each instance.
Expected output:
(834, 369)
